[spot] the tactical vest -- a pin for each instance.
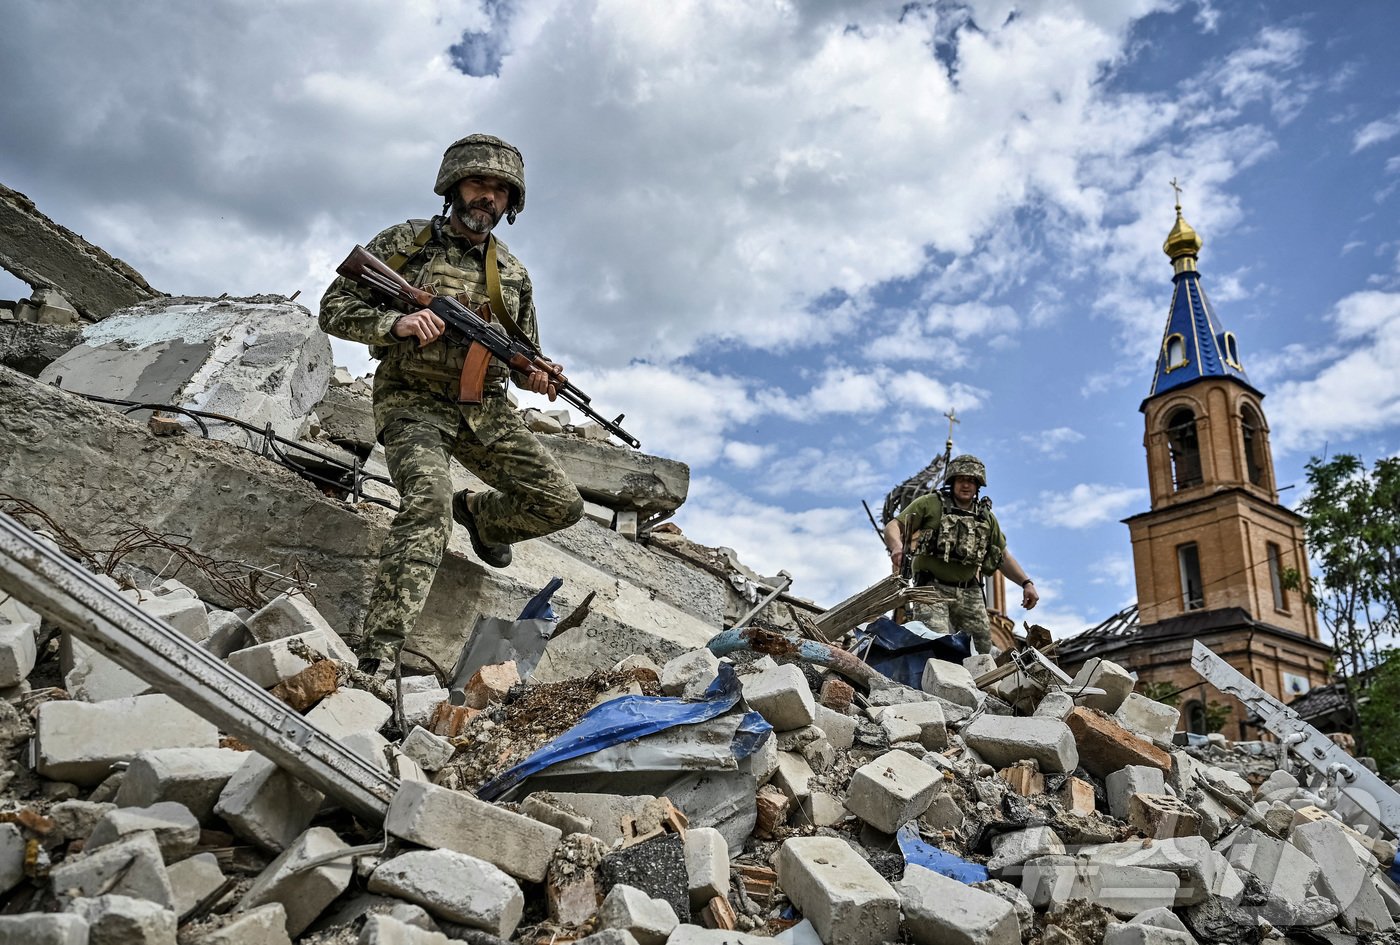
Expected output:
(438, 361)
(963, 536)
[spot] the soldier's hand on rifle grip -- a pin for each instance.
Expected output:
(546, 382)
(423, 324)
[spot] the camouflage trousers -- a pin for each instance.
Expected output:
(964, 611)
(530, 496)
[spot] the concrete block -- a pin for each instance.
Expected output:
(542, 807)
(130, 867)
(1004, 740)
(624, 937)
(1162, 816)
(290, 616)
(184, 613)
(690, 674)
(1122, 784)
(686, 934)
(12, 852)
(951, 681)
(192, 879)
(17, 652)
(824, 810)
(1189, 858)
(1279, 785)
(1012, 849)
(781, 696)
(1148, 718)
(350, 710)
(74, 820)
(265, 925)
(1346, 870)
(267, 664)
(304, 893)
(79, 742)
(605, 811)
(420, 706)
(121, 920)
(1107, 675)
(453, 886)
(843, 896)
(383, 929)
(650, 921)
(193, 777)
(840, 728)
(794, 775)
(94, 677)
(491, 683)
(227, 633)
(943, 911)
(1128, 933)
(437, 817)
(36, 928)
(943, 813)
(706, 865)
(1055, 704)
(429, 750)
(929, 726)
(1050, 882)
(891, 790)
(176, 830)
(1105, 746)
(266, 805)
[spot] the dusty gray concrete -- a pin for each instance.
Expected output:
(45, 254)
(29, 348)
(620, 478)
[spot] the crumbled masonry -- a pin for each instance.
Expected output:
(796, 797)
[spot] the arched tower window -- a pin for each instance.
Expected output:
(1175, 351)
(1184, 447)
(1253, 429)
(1232, 351)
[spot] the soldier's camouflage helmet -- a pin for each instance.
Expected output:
(485, 156)
(967, 465)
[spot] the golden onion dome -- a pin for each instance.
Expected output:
(1182, 240)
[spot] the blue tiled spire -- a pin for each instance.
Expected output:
(1194, 345)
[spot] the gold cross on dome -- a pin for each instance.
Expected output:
(1177, 189)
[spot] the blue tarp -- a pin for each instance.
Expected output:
(900, 653)
(918, 852)
(632, 717)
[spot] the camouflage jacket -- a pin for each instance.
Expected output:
(954, 545)
(421, 382)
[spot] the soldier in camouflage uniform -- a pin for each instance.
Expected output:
(417, 415)
(956, 541)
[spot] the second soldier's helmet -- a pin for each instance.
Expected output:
(967, 465)
(485, 156)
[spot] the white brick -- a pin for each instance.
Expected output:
(952, 682)
(650, 921)
(267, 664)
(429, 750)
(126, 920)
(437, 817)
(1122, 784)
(266, 805)
(1123, 933)
(793, 775)
(419, 706)
(1052, 881)
(193, 878)
(706, 865)
(845, 899)
(943, 911)
(1003, 740)
(690, 674)
(891, 790)
(17, 652)
(1108, 676)
(1014, 848)
(1189, 858)
(185, 614)
(1148, 717)
(131, 867)
(349, 710)
(303, 893)
(290, 616)
(190, 776)
(43, 929)
(840, 728)
(781, 696)
(176, 830)
(386, 930)
(453, 886)
(79, 742)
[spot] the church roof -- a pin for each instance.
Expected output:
(1194, 345)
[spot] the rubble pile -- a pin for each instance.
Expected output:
(787, 802)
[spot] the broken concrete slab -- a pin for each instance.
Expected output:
(47, 254)
(130, 867)
(260, 359)
(80, 742)
(620, 478)
(847, 901)
(455, 886)
(29, 348)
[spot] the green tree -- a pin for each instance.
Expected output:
(1352, 522)
(1379, 712)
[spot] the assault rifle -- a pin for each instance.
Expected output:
(473, 330)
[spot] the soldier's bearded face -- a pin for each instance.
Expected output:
(964, 489)
(479, 202)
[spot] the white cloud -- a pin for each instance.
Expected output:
(746, 455)
(821, 472)
(1052, 443)
(1376, 132)
(1086, 505)
(1358, 392)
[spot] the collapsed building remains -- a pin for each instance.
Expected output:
(612, 742)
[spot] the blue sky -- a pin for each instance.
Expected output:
(786, 237)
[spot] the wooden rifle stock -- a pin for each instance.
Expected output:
(471, 326)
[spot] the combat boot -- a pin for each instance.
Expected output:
(498, 556)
